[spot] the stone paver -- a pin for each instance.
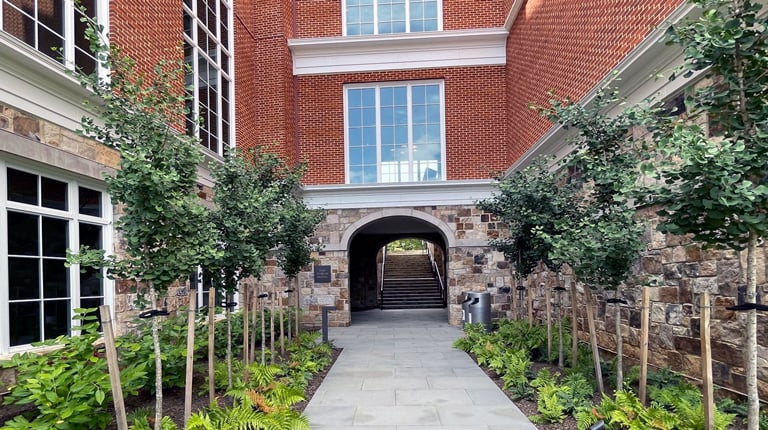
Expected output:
(399, 371)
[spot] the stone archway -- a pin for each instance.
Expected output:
(365, 239)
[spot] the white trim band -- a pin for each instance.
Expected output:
(403, 51)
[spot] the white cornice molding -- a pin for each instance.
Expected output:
(398, 195)
(401, 51)
(642, 74)
(38, 85)
(513, 11)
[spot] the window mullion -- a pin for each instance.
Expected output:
(409, 118)
(375, 16)
(378, 135)
(407, 16)
(69, 34)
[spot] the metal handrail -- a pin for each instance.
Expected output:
(437, 272)
(381, 284)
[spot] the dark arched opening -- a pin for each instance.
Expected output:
(368, 262)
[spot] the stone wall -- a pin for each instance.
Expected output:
(678, 272)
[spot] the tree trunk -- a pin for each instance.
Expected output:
(229, 346)
(619, 344)
(548, 308)
(254, 303)
(246, 323)
(750, 352)
(158, 361)
(593, 339)
(282, 326)
(263, 332)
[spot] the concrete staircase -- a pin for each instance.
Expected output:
(410, 283)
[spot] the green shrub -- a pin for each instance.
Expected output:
(69, 385)
(549, 394)
(137, 347)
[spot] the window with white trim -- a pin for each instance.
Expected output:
(394, 132)
(41, 216)
(208, 53)
(391, 16)
(54, 27)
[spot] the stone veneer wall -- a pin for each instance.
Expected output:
(472, 264)
(680, 271)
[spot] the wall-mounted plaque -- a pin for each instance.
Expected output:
(322, 274)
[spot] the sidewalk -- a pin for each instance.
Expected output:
(399, 371)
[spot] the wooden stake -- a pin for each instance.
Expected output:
(619, 344)
(593, 339)
(574, 323)
(254, 310)
(298, 305)
(211, 331)
(272, 326)
(644, 326)
(114, 368)
(190, 355)
(530, 305)
(548, 307)
(246, 323)
(263, 331)
(706, 364)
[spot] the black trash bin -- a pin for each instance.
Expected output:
(465, 308)
(479, 309)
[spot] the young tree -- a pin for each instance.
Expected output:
(604, 240)
(164, 227)
(717, 189)
(244, 217)
(297, 224)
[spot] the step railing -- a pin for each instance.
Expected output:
(380, 297)
(436, 271)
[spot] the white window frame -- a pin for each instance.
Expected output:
(69, 49)
(190, 8)
(378, 86)
(71, 215)
(376, 18)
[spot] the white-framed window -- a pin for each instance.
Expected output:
(54, 28)
(42, 215)
(394, 132)
(362, 17)
(208, 53)
(202, 282)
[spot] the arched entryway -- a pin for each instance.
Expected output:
(366, 252)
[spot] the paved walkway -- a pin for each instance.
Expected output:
(399, 371)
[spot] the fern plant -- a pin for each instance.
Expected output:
(139, 419)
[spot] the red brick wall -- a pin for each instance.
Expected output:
(468, 14)
(474, 117)
(264, 76)
(320, 18)
(147, 31)
(568, 46)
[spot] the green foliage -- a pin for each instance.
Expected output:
(242, 416)
(164, 225)
(69, 385)
(602, 241)
(740, 410)
(673, 408)
(530, 200)
(519, 335)
(406, 245)
(717, 190)
(513, 368)
(472, 335)
(137, 347)
(307, 357)
(139, 420)
(548, 403)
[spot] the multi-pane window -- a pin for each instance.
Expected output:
(40, 218)
(394, 132)
(208, 53)
(54, 27)
(390, 16)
